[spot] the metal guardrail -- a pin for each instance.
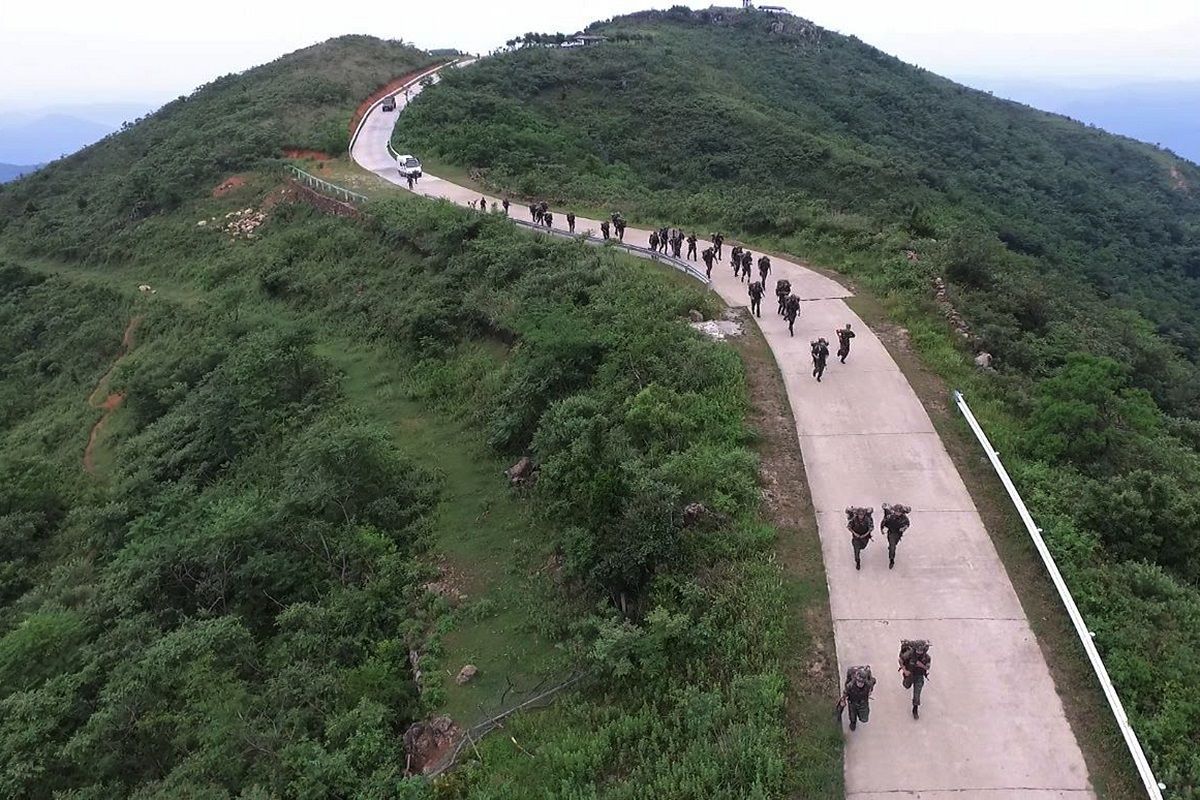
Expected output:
(325, 187)
(477, 732)
(1154, 788)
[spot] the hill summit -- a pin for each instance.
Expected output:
(770, 126)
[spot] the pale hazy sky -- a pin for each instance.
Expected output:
(57, 51)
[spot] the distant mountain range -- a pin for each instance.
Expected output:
(36, 136)
(10, 172)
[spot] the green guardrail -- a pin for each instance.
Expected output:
(325, 187)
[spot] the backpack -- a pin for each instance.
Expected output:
(916, 648)
(864, 518)
(864, 672)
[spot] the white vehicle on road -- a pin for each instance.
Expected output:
(408, 166)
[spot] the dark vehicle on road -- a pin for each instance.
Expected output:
(389, 103)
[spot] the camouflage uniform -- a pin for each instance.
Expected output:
(914, 664)
(895, 523)
(860, 522)
(820, 357)
(857, 694)
(791, 309)
(756, 295)
(844, 336)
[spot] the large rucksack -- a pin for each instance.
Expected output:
(912, 650)
(895, 513)
(864, 670)
(860, 520)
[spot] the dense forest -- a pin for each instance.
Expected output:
(225, 593)
(1072, 256)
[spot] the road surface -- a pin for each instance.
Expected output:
(992, 725)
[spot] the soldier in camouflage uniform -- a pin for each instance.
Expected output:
(856, 695)
(820, 357)
(914, 669)
(861, 523)
(756, 293)
(791, 309)
(844, 336)
(764, 268)
(782, 289)
(894, 524)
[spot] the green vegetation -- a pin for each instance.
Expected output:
(1073, 255)
(88, 206)
(313, 427)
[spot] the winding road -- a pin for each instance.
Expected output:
(992, 725)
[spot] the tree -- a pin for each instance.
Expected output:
(1086, 413)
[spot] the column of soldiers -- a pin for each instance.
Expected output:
(914, 658)
(671, 240)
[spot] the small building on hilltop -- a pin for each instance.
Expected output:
(584, 40)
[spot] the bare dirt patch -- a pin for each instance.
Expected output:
(111, 402)
(228, 185)
(1177, 179)
(309, 155)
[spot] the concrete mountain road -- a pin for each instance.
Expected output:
(992, 725)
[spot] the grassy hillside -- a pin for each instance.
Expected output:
(87, 207)
(826, 144)
(1072, 255)
(306, 428)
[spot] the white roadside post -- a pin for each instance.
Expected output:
(1154, 789)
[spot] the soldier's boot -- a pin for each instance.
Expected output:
(857, 560)
(916, 713)
(891, 557)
